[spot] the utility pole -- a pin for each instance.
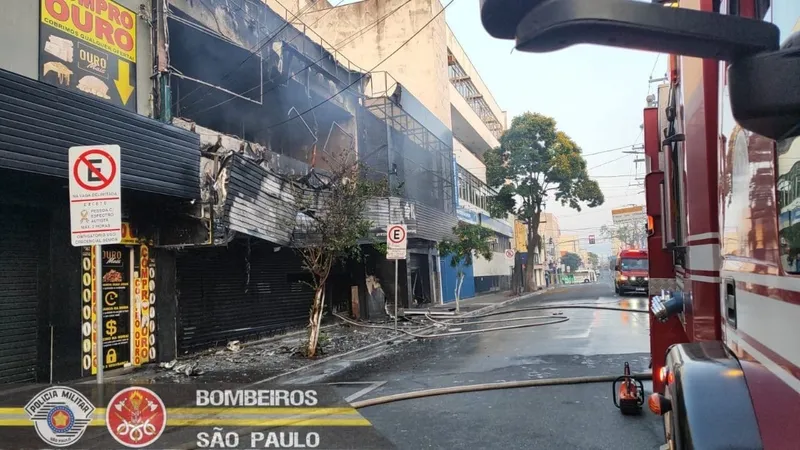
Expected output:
(637, 150)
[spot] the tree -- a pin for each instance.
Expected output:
(571, 260)
(471, 240)
(593, 259)
(331, 227)
(630, 234)
(536, 161)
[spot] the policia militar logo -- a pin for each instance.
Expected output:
(60, 415)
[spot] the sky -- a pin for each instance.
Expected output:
(595, 94)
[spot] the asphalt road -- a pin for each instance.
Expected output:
(592, 342)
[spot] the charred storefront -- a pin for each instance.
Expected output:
(46, 314)
(272, 109)
(401, 139)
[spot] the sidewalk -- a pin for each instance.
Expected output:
(480, 301)
(277, 358)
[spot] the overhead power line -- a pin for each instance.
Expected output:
(610, 150)
(607, 162)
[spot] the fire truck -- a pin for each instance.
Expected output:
(723, 196)
(631, 272)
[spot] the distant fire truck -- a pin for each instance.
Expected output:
(631, 272)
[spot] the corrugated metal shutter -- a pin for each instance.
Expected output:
(40, 122)
(258, 203)
(218, 301)
(19, 297)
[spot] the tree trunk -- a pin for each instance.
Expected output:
(315, 319)
(458, 291)
(534, 242)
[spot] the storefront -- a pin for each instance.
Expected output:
(129, 304)
(46, 319)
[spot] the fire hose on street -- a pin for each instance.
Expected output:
(492, 387)
(554, 319)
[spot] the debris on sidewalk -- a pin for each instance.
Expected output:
(242, 362)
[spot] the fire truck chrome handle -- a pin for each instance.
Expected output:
(730, 301)
(666, 305)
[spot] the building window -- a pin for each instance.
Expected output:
(473, 190)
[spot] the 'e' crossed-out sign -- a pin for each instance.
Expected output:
(396, 241)
(95, 195)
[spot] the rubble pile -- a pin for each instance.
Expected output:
(243, 362)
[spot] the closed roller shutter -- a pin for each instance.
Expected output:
(218, 301)
(19, 296)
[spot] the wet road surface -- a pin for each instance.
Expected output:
(592, 342)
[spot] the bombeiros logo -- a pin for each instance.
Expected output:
(60, 415)
(136, 417)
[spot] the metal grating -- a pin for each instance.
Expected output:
(19, 297)
(244, 290)
(464, 85)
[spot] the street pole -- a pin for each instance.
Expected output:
(395, 294)
(98, 295)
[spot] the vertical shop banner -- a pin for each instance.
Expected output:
(144, 321)
(88, 316)
(89, 46)
(116, 306)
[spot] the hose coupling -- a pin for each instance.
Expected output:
(666, 305)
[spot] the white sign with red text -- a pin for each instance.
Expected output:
(396, 241)
(95, 195)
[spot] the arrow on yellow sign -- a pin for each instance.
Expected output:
(123, 81)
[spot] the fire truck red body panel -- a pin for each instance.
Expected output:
(732, 274)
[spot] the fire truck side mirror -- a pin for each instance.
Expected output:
(549, 25)
(765, 91)
(762, 78)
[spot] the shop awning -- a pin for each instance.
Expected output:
(41, 122)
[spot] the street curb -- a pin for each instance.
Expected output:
(402, 338)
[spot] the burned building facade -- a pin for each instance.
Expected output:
(271, 106)
(219, 108)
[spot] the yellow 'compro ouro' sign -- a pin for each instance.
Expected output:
(102, 23)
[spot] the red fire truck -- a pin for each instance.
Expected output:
(723, 192)
(631, 272)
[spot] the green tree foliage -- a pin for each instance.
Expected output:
(571, 260)
(536, 162)
(594, 260)
(332, 228)
(631, 235)
(471, 240)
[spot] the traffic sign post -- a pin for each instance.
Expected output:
(396, 247)
(95, 215)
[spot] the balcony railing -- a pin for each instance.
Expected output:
(464, 85)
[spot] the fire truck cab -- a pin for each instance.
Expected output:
(631, 272)
(722, 145)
